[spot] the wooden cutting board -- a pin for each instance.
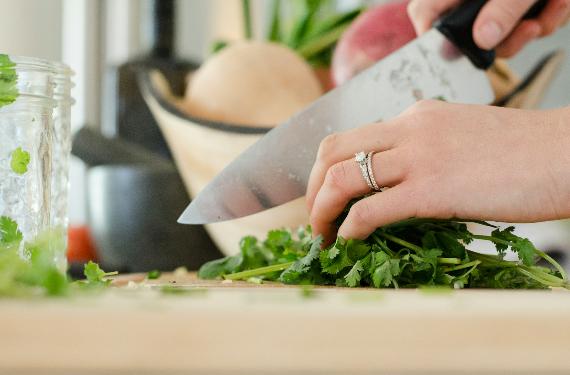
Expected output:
(219, 328)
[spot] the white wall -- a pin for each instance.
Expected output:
(31, 28)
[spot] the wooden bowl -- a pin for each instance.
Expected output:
(201, 149)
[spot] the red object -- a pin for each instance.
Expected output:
(373, 35)
(80, 247)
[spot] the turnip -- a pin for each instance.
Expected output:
(373, 35)
(252, 83)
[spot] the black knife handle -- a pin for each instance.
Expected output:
(457, 26)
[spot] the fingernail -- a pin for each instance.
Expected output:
(489, 35)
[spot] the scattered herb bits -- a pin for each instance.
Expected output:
(153, 275)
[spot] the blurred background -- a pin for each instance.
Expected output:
(126, 192)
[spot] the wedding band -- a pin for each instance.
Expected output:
(371, 179)
(362, 160)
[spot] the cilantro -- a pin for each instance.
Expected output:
(336, 259)
(9, 231)
(94, 275)
(153, 275)
(384, 270)
(19, 161)
(353, 276)
(409, 254)
(8, 81)
(28, 268)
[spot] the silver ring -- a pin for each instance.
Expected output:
(371, 178)
(361, 158)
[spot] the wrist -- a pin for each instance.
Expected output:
(559, 165)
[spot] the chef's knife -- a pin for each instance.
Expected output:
(275, 170)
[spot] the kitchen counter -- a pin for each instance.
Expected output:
(214, 327)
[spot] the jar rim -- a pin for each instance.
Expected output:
(36, 63)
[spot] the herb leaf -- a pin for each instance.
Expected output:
(19, 161)
(8, 81)
(9, 232)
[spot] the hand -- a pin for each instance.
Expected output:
(444, 160)
(497, 26)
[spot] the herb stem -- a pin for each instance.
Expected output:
(538, 278)
(449, 261)
(558, 267)
(402, 242)
(492, 239)
(258, 271)
(542, 274)
(542, 254)
(463, 266)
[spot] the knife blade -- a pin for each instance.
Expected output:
(275, 170)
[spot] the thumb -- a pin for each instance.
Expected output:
(497, 19)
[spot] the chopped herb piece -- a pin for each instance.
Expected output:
(153, 275)
(19, 161)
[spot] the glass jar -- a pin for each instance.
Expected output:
(61, 152)
(34, 150)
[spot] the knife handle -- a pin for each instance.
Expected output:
(457, 26)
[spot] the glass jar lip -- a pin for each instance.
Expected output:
(39, 64)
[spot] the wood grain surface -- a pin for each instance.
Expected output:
(221, 328)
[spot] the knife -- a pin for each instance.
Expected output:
(443, 63)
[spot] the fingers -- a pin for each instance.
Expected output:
(523, 33)
(344, 182)
(423, 13)
(497, 19)
(551, 18)
(342, 146)
(554, 15)
(377, 210)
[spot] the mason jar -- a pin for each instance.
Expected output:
(34, 147)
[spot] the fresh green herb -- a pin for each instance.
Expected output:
(9, 232)
(19, 161)
(409, 254)
(8, 81)
(28, 268)
(255, 280)
(153, 275)
(94, 275)
(218, 45)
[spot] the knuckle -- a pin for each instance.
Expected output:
(547, 29)
(412, 8)
(506, 15)
(423, 116)
(361, 213)
(336, 176)
(327, 147)
(423, 105)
